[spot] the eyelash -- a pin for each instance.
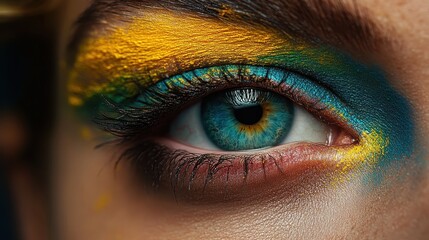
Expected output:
(137, 120)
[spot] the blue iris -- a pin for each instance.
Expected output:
(246, 118)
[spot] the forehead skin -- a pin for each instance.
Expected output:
(406, 63)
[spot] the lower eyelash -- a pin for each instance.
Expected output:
(154, 162)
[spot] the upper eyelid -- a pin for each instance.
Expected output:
(156, 97)
(304, 58)
(130, 50)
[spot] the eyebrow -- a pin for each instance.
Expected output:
(335, 22)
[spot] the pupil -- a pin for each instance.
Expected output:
(249, 115)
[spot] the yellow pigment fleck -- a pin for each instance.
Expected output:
(86, 133)
(102, 202)
(226, 11)
(75, 101)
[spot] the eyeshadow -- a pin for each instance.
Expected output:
(122, 61)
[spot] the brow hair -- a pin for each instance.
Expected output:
(328, 21)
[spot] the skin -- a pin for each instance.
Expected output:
(91, 200)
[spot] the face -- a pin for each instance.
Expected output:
(236, 120)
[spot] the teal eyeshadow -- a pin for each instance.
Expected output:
(372, 103)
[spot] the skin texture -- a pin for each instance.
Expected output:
(91, 200)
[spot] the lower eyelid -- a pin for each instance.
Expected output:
(190, 171)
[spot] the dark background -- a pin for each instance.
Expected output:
(27, 72)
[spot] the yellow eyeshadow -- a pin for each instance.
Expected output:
(370, 149)
(366, 154)
(161, 44)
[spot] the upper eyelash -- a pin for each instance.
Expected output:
(141, 114)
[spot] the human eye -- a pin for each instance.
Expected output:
(246, 118)
(200, 113)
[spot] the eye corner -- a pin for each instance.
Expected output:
(339, 136)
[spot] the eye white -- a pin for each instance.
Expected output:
(306, 128)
